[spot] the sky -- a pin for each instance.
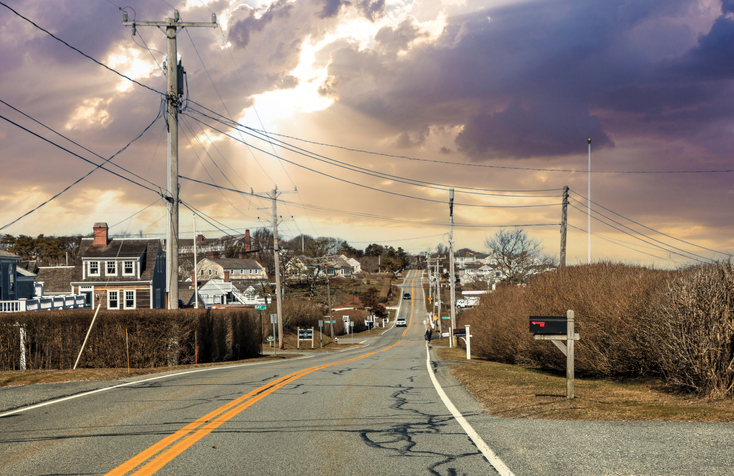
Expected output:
(365, 113)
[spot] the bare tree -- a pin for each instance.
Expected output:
(518, 255)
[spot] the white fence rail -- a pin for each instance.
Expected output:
(44, 303)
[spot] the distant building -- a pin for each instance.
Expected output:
(231, 269)
(127, 273)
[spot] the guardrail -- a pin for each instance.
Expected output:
(44, 303)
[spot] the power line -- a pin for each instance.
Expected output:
(367, 186)
(81, 52)
(97, 166)
(532, 169)
(683, 253)
(618, 243)
(321, 158)
(652, 229)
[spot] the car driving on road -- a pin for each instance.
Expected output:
(401, 322)
(406, 296)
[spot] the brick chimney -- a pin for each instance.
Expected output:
(200, 238)
(247, 241)
(100, 234)
(226, 275)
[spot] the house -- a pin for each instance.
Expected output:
(8, 276)
(356, 265)
(231, 269)
(127, 273)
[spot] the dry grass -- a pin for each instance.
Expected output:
(513, 391)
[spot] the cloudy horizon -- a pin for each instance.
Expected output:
(374, 109)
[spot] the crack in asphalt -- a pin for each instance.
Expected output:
(400, 438)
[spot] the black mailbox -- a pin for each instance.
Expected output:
(460, 332)
(548, 325)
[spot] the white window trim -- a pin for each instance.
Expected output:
(106, 269)
(98, 273)
(124, 272)
(118, 299)
(125, 306)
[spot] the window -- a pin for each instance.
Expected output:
(129, 299)
(113, 300)
(129, 268)
(210, 272)
(94, 268)
(111, 268)
(11, 278)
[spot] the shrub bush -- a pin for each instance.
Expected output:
(691, 331)
(52, 340)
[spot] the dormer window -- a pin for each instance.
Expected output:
(94, 268)
(128, 268)
(111, 268)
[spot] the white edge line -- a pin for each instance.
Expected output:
(158, 377)
(491, 456)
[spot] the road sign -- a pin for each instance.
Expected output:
(274, 318)
(446, 317)
(430, 299)
(261, 307)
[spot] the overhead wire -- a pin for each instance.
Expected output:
(370, 187)
(363, 170)
(618, 243)
(97, 166)
(651, 229)
(81, 52)
(664, 246)
(531, 169)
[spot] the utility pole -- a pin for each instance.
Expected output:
(174, 71)
(564, 227)
(273, 195)
(437, 275)
(452, 272)
(196, 275)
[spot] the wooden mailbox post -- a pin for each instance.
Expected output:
(552, 328)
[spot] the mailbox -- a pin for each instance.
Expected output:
(548, 325)
(460, 332)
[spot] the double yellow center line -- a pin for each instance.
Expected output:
(154, 458)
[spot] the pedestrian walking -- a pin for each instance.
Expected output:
(428, 334)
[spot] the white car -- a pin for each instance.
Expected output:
(401, 322)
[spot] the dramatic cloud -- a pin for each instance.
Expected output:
(476, 94)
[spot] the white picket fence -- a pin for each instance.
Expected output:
(44, 303)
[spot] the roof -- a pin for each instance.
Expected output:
(120, 249)
(24, 272)
(117, 248)
(6, 255)
(235, 263)
(56, 279)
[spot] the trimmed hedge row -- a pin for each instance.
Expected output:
(52, 340)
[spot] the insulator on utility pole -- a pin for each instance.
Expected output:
(174, 90)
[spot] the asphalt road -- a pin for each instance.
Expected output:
(370, 410)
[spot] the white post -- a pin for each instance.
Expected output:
(468, 343)
(196, 272)
(588, 204)
(569, 355)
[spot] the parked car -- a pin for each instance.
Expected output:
(406, 296)
(401, 322)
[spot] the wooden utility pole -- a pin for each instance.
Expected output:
(174, 71)
(452, 271)
(564, 227)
